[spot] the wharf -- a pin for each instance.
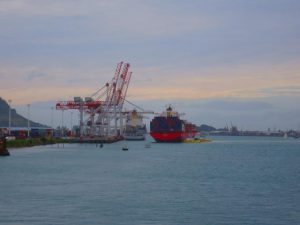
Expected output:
(104, 139)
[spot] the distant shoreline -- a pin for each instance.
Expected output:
(31, 142)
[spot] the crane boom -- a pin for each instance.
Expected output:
(101, 113)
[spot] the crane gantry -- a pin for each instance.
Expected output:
(101, 113)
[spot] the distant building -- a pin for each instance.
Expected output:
(22, 132)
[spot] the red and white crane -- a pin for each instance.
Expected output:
(101, 113)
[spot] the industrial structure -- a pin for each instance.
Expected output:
(101, 115)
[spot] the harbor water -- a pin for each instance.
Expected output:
(231, 180)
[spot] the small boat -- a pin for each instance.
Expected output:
(125, 148)
(147, 145)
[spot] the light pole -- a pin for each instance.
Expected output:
(9, 116)
(28, 122)
(52, 120)
(52, 116)
(71, 123)
(62, 122)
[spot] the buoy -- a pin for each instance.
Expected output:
(147, 145)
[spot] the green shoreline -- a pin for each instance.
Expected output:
(21, 143)
(30, 142)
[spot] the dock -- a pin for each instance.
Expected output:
(104, 139)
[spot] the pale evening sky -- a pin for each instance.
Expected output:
(219, 61)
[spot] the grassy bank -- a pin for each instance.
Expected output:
(19, 143)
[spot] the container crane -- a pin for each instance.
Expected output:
(101, 114)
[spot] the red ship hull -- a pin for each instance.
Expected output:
(168, 127)
(171, 136)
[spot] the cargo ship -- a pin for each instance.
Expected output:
(135, 129)
(168, 127)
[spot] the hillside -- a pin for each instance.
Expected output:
(16, 119)
(205, 128)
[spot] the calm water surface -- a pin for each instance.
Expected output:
(233, 180)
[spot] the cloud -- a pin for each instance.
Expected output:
(237, 105)
(28, 84)
(282, 91)
(41, 8)
(58, 44)
(98, 19)
(241, 81)
(35, 75)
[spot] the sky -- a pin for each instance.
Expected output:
(221, 62)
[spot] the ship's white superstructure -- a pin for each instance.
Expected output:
(135, 129)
